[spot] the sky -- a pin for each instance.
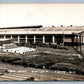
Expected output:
(12, 15)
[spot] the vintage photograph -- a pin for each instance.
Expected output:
(42, 42)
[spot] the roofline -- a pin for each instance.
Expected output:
(19, 27)
(39, 32)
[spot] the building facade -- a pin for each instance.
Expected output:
(45, 35)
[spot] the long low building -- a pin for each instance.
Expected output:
(38, 34)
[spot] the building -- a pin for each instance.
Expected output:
(62, 35)
(4, 41)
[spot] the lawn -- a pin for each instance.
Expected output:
(67, 59)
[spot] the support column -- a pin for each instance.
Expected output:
(78, 39)
(53, 39)
(34, 39)
(18, 39)
(63, 39)
(83, 39)
(11, 37)
(80, 44)
(4, 37)
(25, 39)
(43, 39)
(75, 39)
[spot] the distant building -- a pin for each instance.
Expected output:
(64, 35)
(4, 41)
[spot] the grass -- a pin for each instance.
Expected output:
(49, 60)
